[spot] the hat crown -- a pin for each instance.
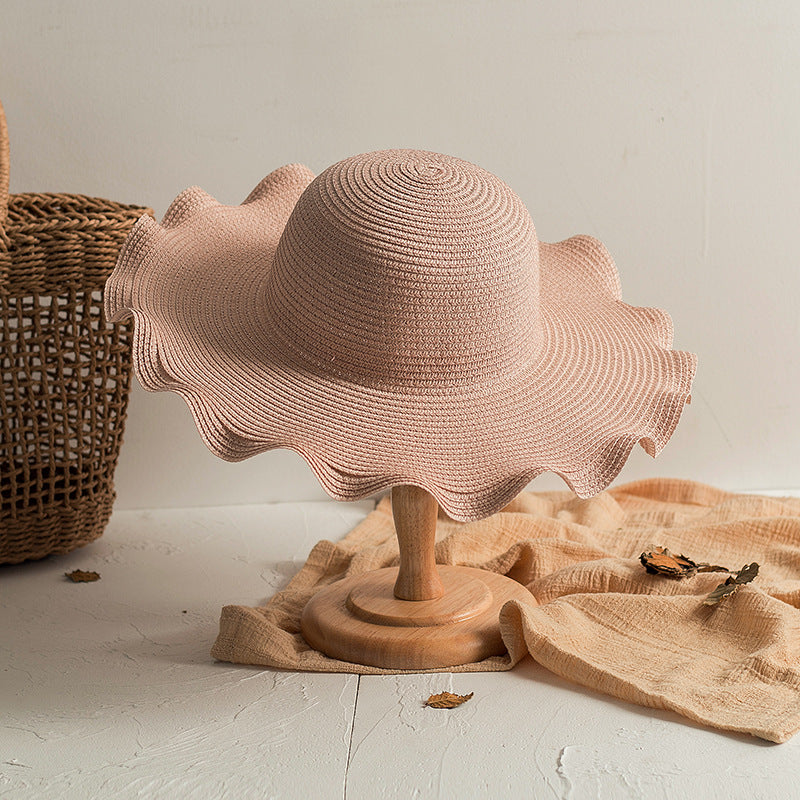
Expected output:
(406, 267)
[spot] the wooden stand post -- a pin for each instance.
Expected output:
(416, 616)
(415, 512)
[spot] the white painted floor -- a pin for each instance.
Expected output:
(108, 691)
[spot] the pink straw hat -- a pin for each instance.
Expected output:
(396, 320)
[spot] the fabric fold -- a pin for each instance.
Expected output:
(595, 616)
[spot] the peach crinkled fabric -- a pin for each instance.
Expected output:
(595, 616)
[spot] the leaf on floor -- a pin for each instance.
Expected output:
(447, 700)
(660, 561)
(744, 575)
(82, 576)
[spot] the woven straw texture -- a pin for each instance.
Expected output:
(596, 617)
(396, 320)
(66, 372)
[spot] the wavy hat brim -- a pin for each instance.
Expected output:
(604, 376)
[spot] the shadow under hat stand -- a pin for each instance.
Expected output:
(416, 616)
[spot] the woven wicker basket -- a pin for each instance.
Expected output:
(66, 373)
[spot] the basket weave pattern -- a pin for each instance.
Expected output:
(66, 373)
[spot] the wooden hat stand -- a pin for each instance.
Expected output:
(416, 616)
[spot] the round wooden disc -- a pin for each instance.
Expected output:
(359, 620)
(372, 599)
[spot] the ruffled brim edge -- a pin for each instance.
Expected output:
(472, 504)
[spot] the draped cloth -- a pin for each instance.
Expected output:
(596, 616)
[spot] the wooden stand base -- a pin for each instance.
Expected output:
(360, 620)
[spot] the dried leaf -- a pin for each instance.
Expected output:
(659, 561)
(447, 700)
(744, 575)
(723, 590)
(703, 567)
(80, 576)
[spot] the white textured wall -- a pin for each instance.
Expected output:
(669, 130)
